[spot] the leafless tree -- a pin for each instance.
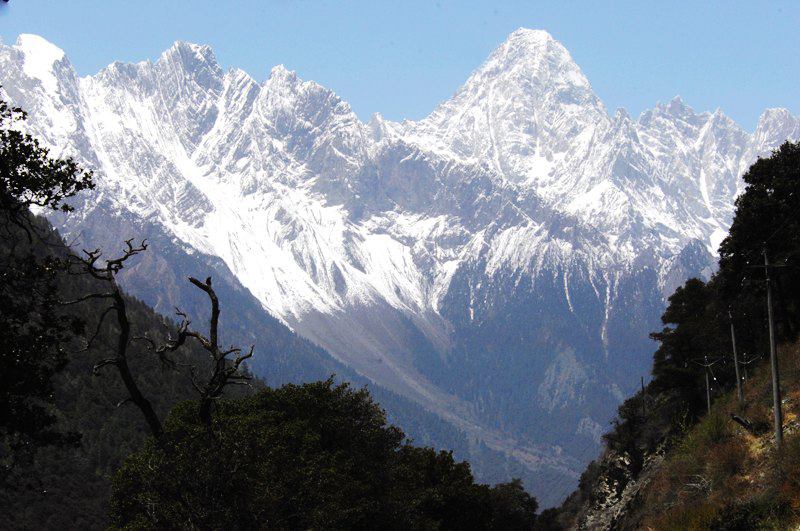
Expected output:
(226, 364)
(90, 264)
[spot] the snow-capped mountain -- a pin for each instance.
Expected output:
(499, 262)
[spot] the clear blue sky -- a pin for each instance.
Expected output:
(402, 58)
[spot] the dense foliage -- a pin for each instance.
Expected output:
(35, 337)
(29, 176)
(313, 456)
(35, 333)
(767, 218)
(33, 349)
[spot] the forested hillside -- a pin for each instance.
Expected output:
(67, 487)
(673, 462)
(111, 414)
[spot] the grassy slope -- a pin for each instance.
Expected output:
(720, 475)
(708, 474)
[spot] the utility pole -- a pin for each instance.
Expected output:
(707, 366)
(773, 356)
(739, 391)
(744, 363)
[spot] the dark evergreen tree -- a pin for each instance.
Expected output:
(29, 176)
(767, 219)
(690, 338)
(35, 334)
(313, 456)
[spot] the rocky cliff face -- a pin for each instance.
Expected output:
(499, 262)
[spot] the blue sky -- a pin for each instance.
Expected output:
(402, 58)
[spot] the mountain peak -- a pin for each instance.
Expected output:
(779, 124)
(775, 113)
(720, 117)
(529, 54)
(282, 79)
(676, 107)
(190, 54)
(40, 56)
(36, 45)
(185, 46)
(280, 72)
(533, 37)
(533, 44)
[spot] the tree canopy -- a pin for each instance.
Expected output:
(699, 315)
(35, 333)
(312, 456)
(29, 176)
(767, 220)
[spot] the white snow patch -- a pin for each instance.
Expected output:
(716, 238)
(566, 291)
(40, 55)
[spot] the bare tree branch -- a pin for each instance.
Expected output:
(97, 329)
(224, 371)
(88, 297)
(89, 264)
(99, 365)
(123, 402)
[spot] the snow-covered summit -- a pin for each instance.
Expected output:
(40, 57)
(522, 111)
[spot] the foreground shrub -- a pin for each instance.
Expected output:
(786, 471)
(726, 459)
(314, 456)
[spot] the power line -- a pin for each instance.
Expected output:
(708, 371)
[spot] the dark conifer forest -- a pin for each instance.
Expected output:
(112, 415)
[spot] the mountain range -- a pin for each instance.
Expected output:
(498, 264)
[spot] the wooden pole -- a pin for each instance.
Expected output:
(773, 356)
(739, 391)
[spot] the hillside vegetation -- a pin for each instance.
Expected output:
(114, 416)
(668, 462)
(720, 475)
(713, 474)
